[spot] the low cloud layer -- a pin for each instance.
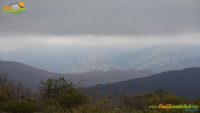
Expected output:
(9, 43)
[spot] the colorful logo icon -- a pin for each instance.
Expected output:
(14, 8)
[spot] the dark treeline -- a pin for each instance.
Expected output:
(57, 95)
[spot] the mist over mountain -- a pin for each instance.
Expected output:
(161, 58)
(101, 77)
(70, 59)
(31, 76)
(102, 48)
(183, 83)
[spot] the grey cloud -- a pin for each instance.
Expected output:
(103, 17)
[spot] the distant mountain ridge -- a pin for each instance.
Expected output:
(28, 75)
(84, 59)
(113, 75)
(161, 58)
(184, 83)
(180, 82)
(31, 76)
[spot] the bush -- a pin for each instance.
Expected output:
(59, 91)
(25, 106)
(72, 99)
(4, 97)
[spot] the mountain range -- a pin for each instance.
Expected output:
(111, 76)
(183, 83)
(25, 74)
(31, 76)
(85, 59)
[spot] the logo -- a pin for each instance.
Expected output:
(189, 108)
(15, 8)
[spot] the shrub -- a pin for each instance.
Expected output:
(25, 106)
(59, 91)
(72, 99)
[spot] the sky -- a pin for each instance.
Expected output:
(111, 22)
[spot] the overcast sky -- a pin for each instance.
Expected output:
(103, 17)
(108, 21)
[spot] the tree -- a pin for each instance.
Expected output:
(61, 92)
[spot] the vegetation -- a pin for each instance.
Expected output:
(57, 95)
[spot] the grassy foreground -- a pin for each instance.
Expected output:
(57, 95)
